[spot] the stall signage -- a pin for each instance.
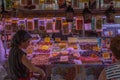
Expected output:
(64, 58)
(72, 40)
(47, 39)
(57, 39)
(96, 48)
(106, 55)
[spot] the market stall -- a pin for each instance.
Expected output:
(76, 49)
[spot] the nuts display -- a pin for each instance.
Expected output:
(40, 59)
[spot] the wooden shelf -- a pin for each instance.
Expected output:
(53, 13)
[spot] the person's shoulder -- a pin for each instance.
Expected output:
(16, 51)
(114, 65)
(22, 52)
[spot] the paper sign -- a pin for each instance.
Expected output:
(72, 40)
(47, 39)
(57, 39)
(64, 58)
(87, 26)
(76, 54)
(106, 55)
(94, 55)
(96, 48)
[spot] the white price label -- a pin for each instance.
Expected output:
(64, 58)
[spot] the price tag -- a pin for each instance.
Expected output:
(106, 55)
(57, 39)
(94, 55)
(76, 54)
(96, 48)
(72, 40)
(47, 39)
(64, 58)
(45, 47)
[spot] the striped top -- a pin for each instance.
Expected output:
(113, 72)
(17, 69)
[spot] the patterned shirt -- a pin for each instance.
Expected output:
(113, 72)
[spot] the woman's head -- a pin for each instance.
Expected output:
(21, 39)
(115, 47)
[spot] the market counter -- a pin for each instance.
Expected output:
(88, 69)
(72, 71)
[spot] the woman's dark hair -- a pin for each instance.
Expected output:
(20, 36)
(115, 46)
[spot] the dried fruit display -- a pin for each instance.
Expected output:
(43, 47)
(41, 59)
(73, 45)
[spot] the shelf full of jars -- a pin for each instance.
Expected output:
(48, 30)
(55, 40)
(60, 4)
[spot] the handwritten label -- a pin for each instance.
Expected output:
(47, 39)
(64, 58)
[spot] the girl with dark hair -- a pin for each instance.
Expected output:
(112, 72)
(19, 65)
